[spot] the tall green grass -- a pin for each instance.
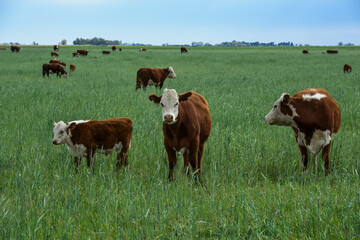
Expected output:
(253, 187)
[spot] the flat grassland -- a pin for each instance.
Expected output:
(253, 186)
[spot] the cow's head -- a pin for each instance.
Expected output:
(169, 104)
(61, 132)
(171, 73)
(282, 112)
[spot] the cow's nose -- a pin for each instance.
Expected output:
(168, 118)
(54, 142)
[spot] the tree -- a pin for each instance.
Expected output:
(340, 44)
(63, 42)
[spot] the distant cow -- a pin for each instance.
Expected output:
(15, 48)
(113, 48)
(186, 127)
(82, 52)
(75, 54)
(72, 67)
(142, 49)
(347, 68)
(305, 51)
(54, 68)
(54, 54)
(153, 76)
(314, 117)
(56, 47)
(105, 52)
(332, 51)
(120, 49)
(183, 50)
(2, 48)
(57, 61)
(85, 138)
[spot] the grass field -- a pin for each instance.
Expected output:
(253, 187)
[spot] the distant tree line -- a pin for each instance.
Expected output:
(95, 41)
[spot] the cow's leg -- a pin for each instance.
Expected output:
(172, 162)
(325, 157)
(122, 158)
(161, 84)
(303, 156)
(200, 155)
(77, 161)
(193, 159)
(90, 158)
(186, 162)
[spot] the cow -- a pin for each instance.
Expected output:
(120, 49)
(186, 127)
(105, 52)
(183, 50)
(347, 68)
(153, 76)
(56, 47)
(332, 51)
(113, 48)
(142, 50)
(314, 117)
(85, 138)
(54, 68)
(75, 54)
(15, 48)
(72, 67)
(58, 62)
(305, 51)
(2, 48)
(82, 52)
(54, 54)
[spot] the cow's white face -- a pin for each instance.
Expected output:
(169, 106)
(171, 73)
(277, 117)
(60, 135)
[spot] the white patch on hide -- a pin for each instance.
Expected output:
(309, 97)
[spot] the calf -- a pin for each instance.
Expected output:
(186, 127)
(142, 49)
(347, 68)
(120, 49)
(72, 67)
(105, 52)
(75, 54)
(54, 54)
(113, 48)
(305, 51)
(332, 51)
(153, 76)
(54, 68)
(15, 48)
(183, 50)
(56, 47)
(82, 52)
(314, 117)
(85, 138)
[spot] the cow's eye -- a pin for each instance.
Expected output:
(275, 106)
(61, 132)
(162, 105)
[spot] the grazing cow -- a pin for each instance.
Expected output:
(2, 48)
(142, 49)
(72, 67)
(58, 62)
(54, 54)
(56, 47)
(183, 50)
(54, 68)
(305, 51)
(347, 68)
(105, 52)
(332, 51)
(85, 138)
(314, 117)
(120, 49)
(75, 54)
(113, 48)
(186, 127)
(153, 76)
(15, 48)
(82, 52)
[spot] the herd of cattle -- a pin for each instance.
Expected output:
(312, 113)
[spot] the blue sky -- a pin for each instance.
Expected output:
(314, 22)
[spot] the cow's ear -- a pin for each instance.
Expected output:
(54, 123)
(154, 98)
(184, 96)
(286, 99)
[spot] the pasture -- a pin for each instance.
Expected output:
(253, 187)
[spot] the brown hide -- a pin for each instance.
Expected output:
(183, 50)
(157, 75)
(305, 51)
(54, 54)
(53, 68)
(347, 68)
(332, 51)
(113, 48)
(82, 52)
(15, 48)
(72, 67)
(105, 52)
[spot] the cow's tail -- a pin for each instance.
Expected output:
(138, 82)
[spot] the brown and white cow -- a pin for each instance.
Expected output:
(142, 50)
(15, 48)
(183, 50)
(113, 48)
(54, 68)
(314, 117)
(54, 54)
(332, 51)
(153, 76)
(75, 54)
(105, 52)
(305, 51)
(186, 127)
(82, 52)
(57, 61)
(56, 47)
(72, 67)
(347, 68)
(85, 138)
